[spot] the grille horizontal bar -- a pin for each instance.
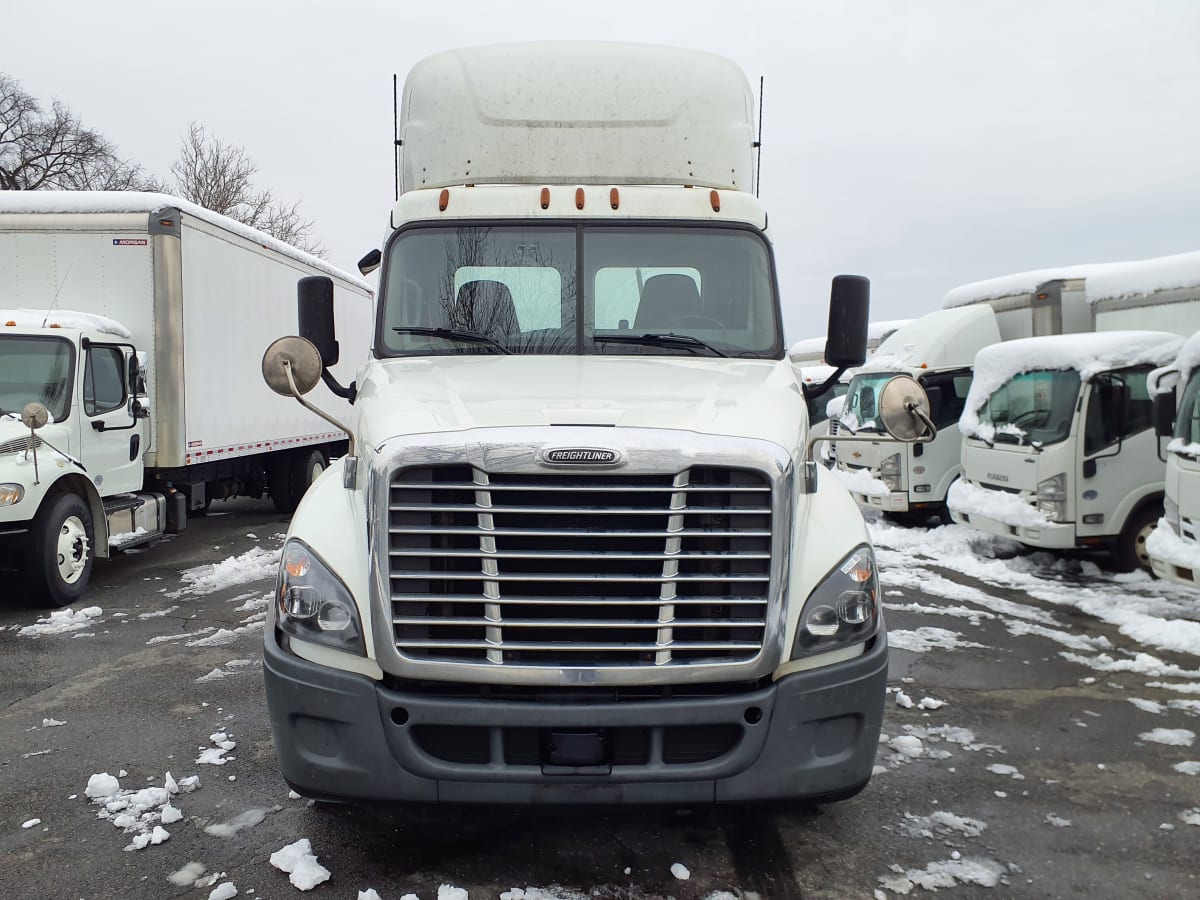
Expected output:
(568, 569)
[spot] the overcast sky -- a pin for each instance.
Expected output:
(923, 144)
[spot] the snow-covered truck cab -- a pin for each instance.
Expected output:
(911, 480)
(1058, 449)
(580, 551)
(73, 426)
(1174, 546)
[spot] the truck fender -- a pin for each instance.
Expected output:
(77, 484)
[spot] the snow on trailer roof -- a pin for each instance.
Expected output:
(63, 318)
(147, 202)
(1103, 280)
(1088, 354)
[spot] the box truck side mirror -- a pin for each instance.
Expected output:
(849, 312)
(1164, 414)
(370, 262)
(314, 311)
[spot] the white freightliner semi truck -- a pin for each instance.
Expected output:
(1058, 449)
(131, 326)
(579, 551)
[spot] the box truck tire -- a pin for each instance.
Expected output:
(290, 475)
(60, 561)
(1130, 551)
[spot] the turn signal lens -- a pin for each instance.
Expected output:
(296, 562)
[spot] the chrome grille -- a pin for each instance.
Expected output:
(565, 569)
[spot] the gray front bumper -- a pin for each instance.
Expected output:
(338, 736)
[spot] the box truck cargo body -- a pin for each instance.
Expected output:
(582, 553)
(138, 321)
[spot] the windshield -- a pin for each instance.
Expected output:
(1187, 424)
(860, 411)
(1034, 407)
(35, 368)
(556, 289)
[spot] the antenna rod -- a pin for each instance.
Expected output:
(395, 135)
(758, 180)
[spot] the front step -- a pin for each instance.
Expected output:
(134, 519)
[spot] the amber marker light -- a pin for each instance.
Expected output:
(614, 198)
(545, 198)
(296, 563)
(579, 198)
(715, 199)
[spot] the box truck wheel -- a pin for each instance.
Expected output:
(1130, 551)
(61, 551)
(291, 474)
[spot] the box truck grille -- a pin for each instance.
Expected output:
(579, 570)
(20, 444)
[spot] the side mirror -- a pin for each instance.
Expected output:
(904, 410)
(1164, 414)
(34, 416)
(314, 307)
(370, 262)
(291, 366)
(849, 313)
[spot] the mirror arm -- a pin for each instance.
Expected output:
(930, 428)
(813, 391)
(346, 393)
(287, 369)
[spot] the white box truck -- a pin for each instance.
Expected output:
(1174, 545)
(580, 552)
(134, 324)
(1059, 450)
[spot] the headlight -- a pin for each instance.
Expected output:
(889, 472)
(844, 608)
(11, 494)
(312, 603)
(1052, 497)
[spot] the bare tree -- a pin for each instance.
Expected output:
(220, 176)
(42, 150)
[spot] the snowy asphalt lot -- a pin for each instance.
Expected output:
(1040, 741)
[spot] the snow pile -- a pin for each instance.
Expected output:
(1088, 354)
(233, 667)
(298, 860)
(1187, 768)
(947, 874)
(1165, 545)
(1010, 771)
(65, 318)
(139, 813)
(973, 500)
(942, 822)
(256, 564)
(247, 819)
(1057, 821)
(861, 481)
(553, 892)
(215, 756)
(927, 638)
(63, 621)
(1172, 737)
(680, 871)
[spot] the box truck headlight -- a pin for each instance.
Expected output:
(11, 494)
(844, 608)
(889, 472)
(313, 604)
(1052, 497)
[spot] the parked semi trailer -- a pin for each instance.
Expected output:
(131, 326)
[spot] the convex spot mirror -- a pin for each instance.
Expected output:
(301, 357)
(34, 415)
(904, 410)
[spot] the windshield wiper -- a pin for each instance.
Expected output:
(655, 339)
(451, 334)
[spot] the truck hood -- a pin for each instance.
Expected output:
(1008, 466)
(744, 398)
(11, 430)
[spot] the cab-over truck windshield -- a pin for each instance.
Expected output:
(34, 368)
(570, 289)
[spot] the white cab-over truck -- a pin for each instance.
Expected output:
(580, 551)
(909, 482)
(1058, 448)
(131, 326)
(1174, 545)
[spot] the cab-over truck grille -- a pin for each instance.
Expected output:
(579, 570)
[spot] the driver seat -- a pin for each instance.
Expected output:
(665, 301)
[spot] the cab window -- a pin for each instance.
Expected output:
(103, 380)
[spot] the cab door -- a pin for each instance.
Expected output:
(112, 435)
